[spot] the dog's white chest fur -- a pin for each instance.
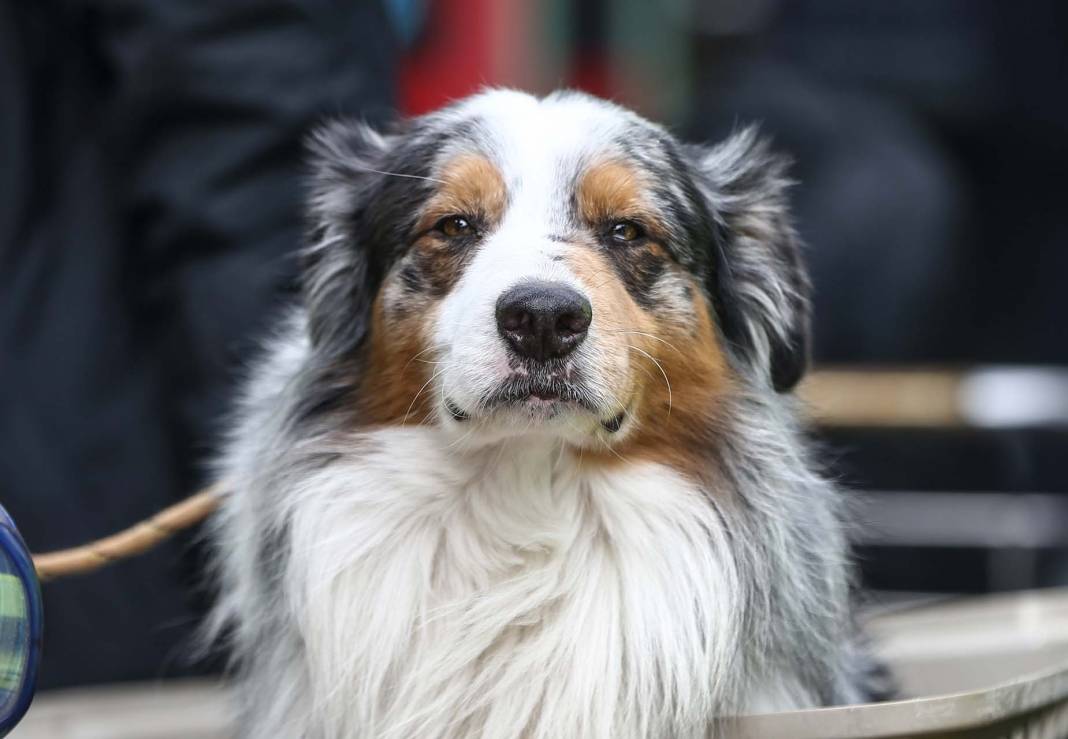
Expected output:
(509, 593)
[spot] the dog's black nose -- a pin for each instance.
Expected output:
(543, 320)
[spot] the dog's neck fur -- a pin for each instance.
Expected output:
(513, 590)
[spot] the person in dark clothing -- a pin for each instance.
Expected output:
(929, 140)
(150, 166)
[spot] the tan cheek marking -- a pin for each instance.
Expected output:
(393, 388)
(700, 380)
(393, 376)
(691, 356)
(616, 318)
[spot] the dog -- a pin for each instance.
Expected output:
(524, 462)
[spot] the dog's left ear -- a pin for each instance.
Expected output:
(339, 274)
(758, 282)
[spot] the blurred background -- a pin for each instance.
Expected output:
(150, 171)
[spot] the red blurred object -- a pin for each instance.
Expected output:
(469, 44)
(590, 71)
(466, 44)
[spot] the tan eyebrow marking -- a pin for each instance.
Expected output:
(612, 190)
(608, 189)
(472, 186)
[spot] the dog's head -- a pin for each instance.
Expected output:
(513, 265)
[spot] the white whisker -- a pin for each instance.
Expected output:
(402, 174)
(659, 367)
(420, 392)
(643, 333)
(416, 356)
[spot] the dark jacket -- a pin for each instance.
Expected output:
(150, 173)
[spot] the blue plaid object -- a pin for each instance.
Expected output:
(20, 625)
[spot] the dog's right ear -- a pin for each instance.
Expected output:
(761, 287)
(338, 270)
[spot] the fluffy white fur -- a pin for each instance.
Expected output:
(501, 592)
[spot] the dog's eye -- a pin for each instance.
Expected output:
(455, 226)
(626, 231)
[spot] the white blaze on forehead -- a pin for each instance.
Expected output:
(540, 146)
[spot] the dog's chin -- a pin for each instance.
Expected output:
(519, 406)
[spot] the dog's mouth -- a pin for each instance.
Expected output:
(542, 397)
(520, 390)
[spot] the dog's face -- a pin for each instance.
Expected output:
(554, 267)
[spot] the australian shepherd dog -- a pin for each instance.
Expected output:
(524, 462)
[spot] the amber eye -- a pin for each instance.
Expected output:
(626, 231)
(455, 226)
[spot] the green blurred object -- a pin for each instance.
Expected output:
(20, 625)
(12, 617)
